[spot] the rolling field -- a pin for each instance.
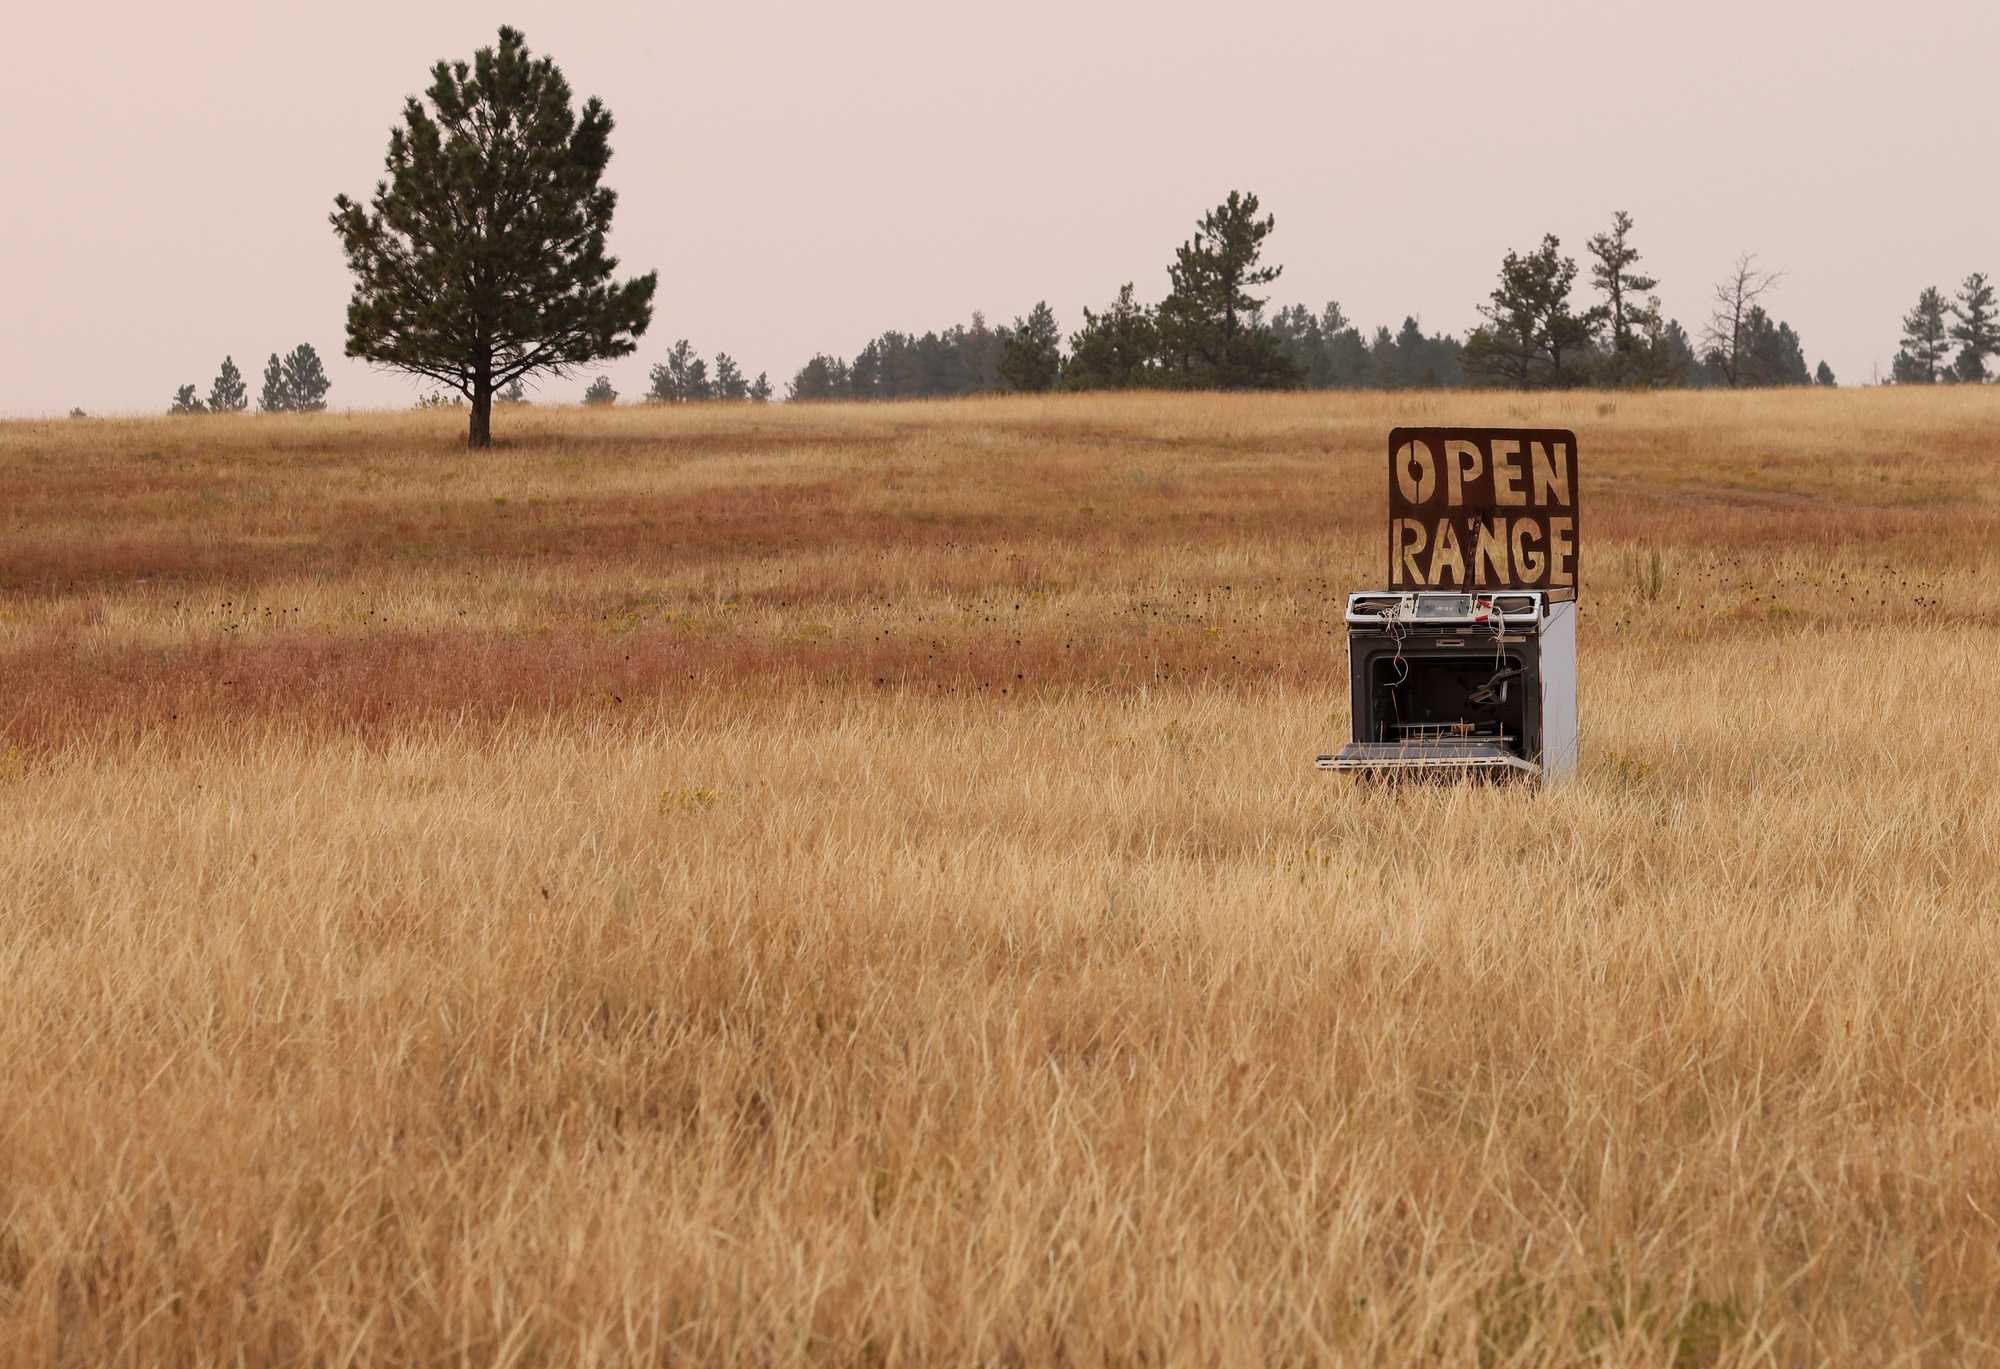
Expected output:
(847, 885)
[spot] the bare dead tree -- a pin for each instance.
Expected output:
(1735, 295)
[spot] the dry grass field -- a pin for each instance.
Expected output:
(848, 886)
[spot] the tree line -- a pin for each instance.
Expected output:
(1208, 333)
(295, 383)
(1947, 341)
(684, 378)
(1212, 332)
(480, 259)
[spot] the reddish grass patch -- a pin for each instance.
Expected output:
(387, 678)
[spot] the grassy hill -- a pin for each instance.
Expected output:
(848, 885)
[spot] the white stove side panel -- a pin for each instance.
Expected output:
(1559, 727)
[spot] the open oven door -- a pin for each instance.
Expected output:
(1440, 757)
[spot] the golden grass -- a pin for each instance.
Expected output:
(844, 886)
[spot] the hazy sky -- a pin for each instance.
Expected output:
(804, 176)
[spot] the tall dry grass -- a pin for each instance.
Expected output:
(848, 886)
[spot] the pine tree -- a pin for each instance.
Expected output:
(1426, 362)
(1926, 339)
(1326, 350)
(1531, 339)
(1114, 350)
(823, 377)
(1676, 362)
(228, 395)
(276, 397)
(481, 258)
(1975, 332)
(186, 402)
(1299, 337)
(512, 395)
(1651, 363)
(978, 358)
(864, 377)
(681, 379)
(600, 392)
(729, 383)
(1771, 354)
(305, 379)
(760, 389)
(1629, 311)
(1210, 328)
(1346, 351)
(1032, 358)
(1824, 376)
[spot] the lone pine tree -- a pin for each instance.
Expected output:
(481, 259)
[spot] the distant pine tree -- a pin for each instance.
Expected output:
(1115, 350)
(186, 402)
(1678, 363)
(1770, 354)
(1975, 332)
(760, 389)
(600, 392)
(1412, 360)
(305, 379)
(823, 377)
(729, 382)
(1211, 329)
(277, 396)
(681, 379)
(1531, 338)
(513, 394)
(1628, 308)
(228, 395)
(1824, 376)
(866, 378)
(1032, 358)
(1926, 339)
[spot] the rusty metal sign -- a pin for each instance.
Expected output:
(1482, 508)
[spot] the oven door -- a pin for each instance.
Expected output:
(1445, 757)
